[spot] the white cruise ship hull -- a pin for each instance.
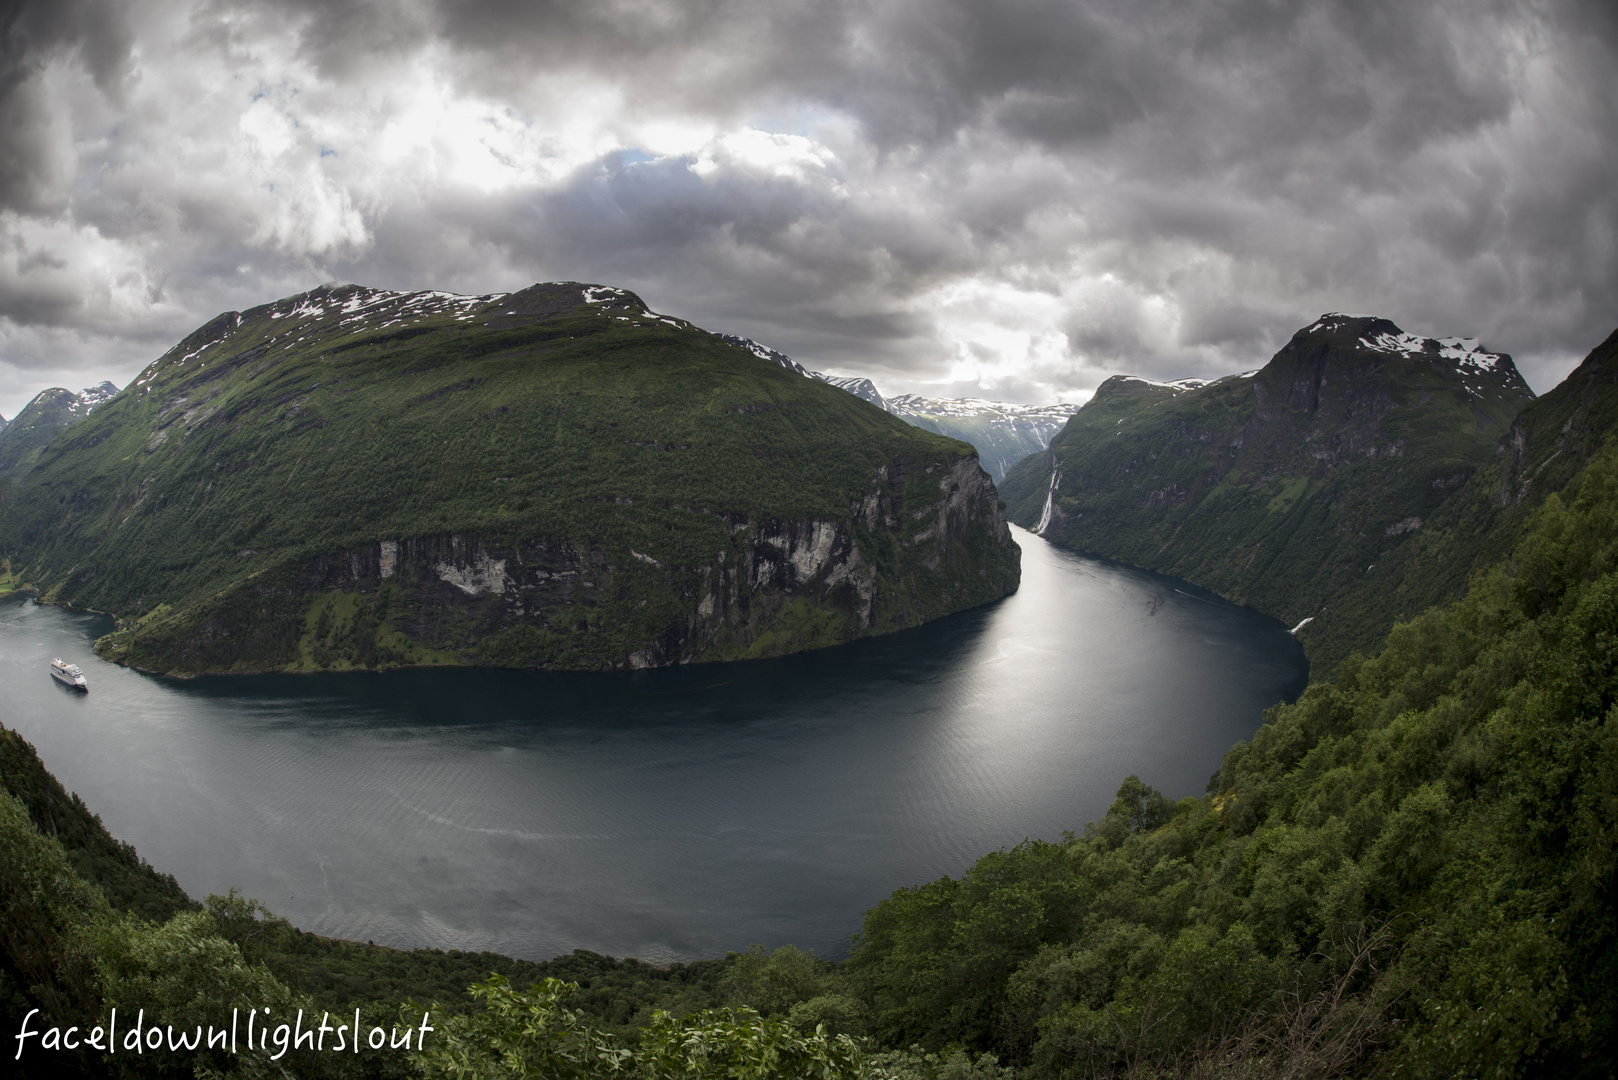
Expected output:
(76, 682)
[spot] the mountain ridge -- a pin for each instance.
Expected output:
(1547, 444)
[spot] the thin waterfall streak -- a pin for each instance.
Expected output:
(1050, 498)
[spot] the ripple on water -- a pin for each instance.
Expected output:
(668, 814)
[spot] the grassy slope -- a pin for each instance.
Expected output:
(227, 466)
(1277, 491)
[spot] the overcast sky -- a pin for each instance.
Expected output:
(1009, 199)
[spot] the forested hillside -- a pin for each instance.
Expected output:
(1412, 871)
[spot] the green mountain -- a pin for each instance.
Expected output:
(41, 420)
(1547, 444)
(1409, 872)
(1280, 488)
(557, 477)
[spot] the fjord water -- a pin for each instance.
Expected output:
(669, 814)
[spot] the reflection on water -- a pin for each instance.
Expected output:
(660, 814)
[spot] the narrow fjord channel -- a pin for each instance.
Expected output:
(669, 814)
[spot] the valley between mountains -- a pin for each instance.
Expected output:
(1409, 871)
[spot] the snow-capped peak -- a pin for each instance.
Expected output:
(1381, 335)
(92, 396)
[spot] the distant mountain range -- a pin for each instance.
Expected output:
(1003, 433)
(1283, 487)
(555, 478)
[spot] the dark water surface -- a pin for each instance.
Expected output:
(667, 814)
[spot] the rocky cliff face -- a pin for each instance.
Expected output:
(774, 587)
(1280, 487)
(737, 603)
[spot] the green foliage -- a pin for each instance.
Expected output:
(1141, 807)
(775, 982)
(536, 1034)
(520, 1035)
(918, 1064)
(129, 883)
(1412, 869)
(45, 909)
(726, 1043)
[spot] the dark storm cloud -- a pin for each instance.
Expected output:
(1144, 185)
(33, 173)
(1309, 136)
(755, 253)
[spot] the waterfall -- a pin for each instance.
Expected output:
(1050, 496)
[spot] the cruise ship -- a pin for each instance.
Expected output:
(68, 674)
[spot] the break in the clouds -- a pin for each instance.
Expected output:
(1012, 199)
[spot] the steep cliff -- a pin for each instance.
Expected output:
(553, 478)
(1280, 488)
(1545, 448)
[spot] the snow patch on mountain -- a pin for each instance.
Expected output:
(1466, 352)
(1177, 385)
(860, 388)
(92, 396)
(764, 352)
(1466, 355)
(356, 304)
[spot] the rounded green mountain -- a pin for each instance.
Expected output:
(557, 477)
